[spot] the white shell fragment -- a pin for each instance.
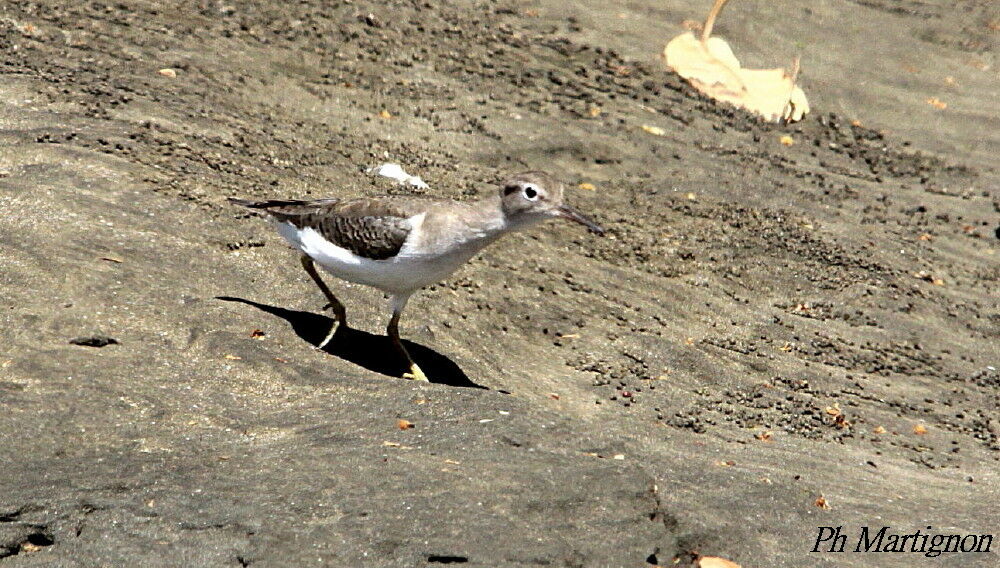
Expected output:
(396, 172)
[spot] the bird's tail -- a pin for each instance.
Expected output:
(243, 202)
(264, 204)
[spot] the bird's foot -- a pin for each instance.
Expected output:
(333, 331)
(415, 374)
(338, 311)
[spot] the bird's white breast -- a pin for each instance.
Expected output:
(409, 270)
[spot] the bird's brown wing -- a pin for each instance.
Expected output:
(370, 228)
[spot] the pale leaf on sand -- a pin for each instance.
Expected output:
(709, 65)
(716, 562)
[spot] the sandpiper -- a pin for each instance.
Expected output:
(401, 244)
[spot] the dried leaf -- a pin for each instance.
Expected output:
(594, 111)
(765, 436)
(786, 140)
(709, 65)
(257, 334)
(404, 424)
(920, 430)
(168, 72)
(233, 357)
(822, 503)
(385, 114)
(716, 562)
(878, 430)
(587, 186)
(553, 396)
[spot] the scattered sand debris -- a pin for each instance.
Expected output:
(928, 277)
(94, 341)
(937, 103)
(654, 130)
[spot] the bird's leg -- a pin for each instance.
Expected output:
(398, 302)
(339, 312)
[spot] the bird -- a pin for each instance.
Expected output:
(400, 244)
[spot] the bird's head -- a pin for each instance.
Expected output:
(530, 197)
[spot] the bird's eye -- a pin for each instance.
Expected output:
(530, 192)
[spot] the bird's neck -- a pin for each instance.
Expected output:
(487, 217)
(468, 227)
(482, 222)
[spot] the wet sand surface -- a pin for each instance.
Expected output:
(763, 325)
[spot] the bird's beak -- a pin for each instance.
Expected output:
(567, 212)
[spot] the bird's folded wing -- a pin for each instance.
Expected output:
(370, 228)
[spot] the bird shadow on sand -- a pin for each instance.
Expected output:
(373, 352)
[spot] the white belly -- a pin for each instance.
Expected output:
(401, 274)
